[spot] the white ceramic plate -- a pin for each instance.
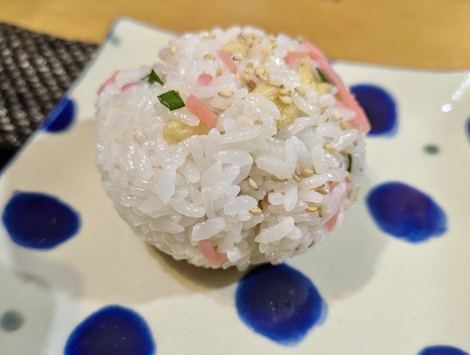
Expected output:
(384, 295)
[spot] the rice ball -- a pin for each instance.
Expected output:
(235, 148)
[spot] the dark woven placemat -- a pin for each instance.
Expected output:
(35, 71)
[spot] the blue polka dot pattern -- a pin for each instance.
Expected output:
(442, 350)
(112, 330)
(39, 221)
(405, 212)
(61, 117)
(279, 302)
(379, 107)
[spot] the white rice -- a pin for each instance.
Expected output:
(255, 191)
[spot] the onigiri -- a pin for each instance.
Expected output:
(235, 148)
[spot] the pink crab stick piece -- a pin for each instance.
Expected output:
(360, 121)
(333, 221)
(228, 61)
(204, 80)
(128, 86)
(201, 111)
(295, 57)
(212, 255)
(111, 80)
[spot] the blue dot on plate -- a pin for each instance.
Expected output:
(442, 350)
(61, 117)
(39, 221)
(380, 108)
(279, 303)
(467, 128)
(406, 212)
(431, 149)
(112, 330)
(11, 320)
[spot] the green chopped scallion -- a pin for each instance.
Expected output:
(322, 76)
(172, 100)
(349, 158)
(153, 78)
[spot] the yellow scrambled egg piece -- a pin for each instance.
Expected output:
(308, 77)
(176, 131)
(235, 46)
(288, 112)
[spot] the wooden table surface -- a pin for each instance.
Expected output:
(407, 33)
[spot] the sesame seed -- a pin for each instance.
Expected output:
(267, 70)
(348, 176)
(336, 117)
(287, 100)
(321, 189)
(266, 51)
(259, 71)
(253, 184)
(345, 125)
(256, 211)
(352, 196)
(306, 172)
(249, 70)
(329, 148)
(297, 170)
(263, 78)
(223, 108)
(274, 82)
(250, 83)
(296, 177)
(300, 90)
(238, 57)
(226, 93)
(173, 49)
(209, 56)
(284, 92)
(312, 208)
(218, 72)
(164, 77)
